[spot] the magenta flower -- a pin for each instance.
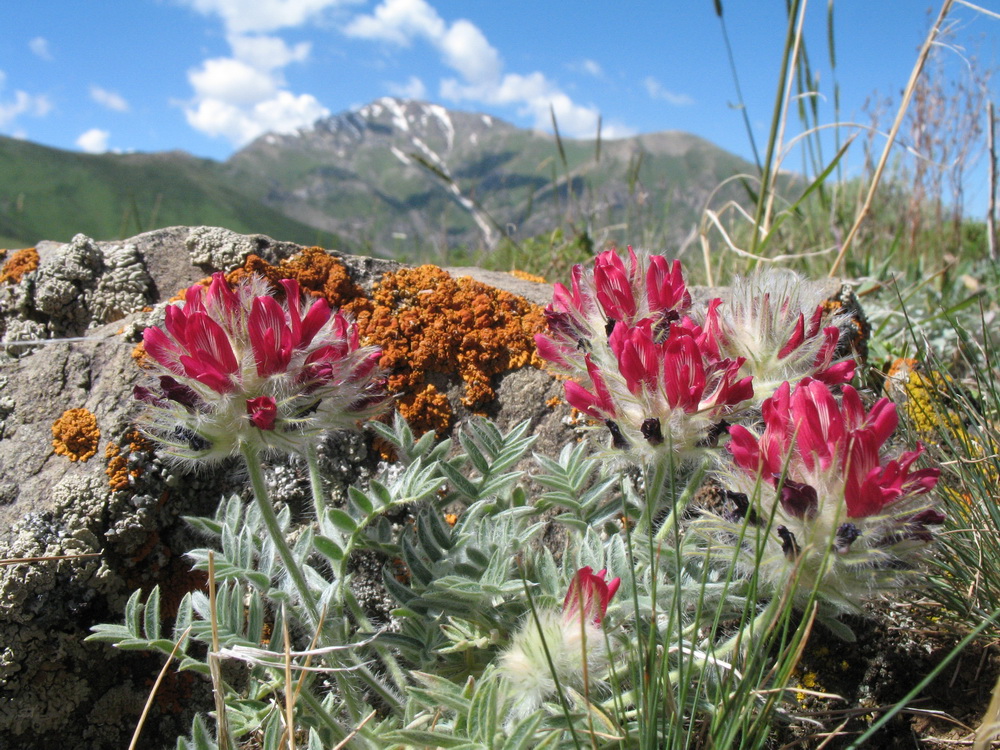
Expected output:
(647, 287)
(239, 367)
(571, 642)
(654, 391)
(589, 595)
(830, 510)
(817, 440)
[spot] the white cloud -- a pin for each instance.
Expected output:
(40, 47)
(398, 22)
(23, 103)
(466, 50)
(413, 89)
(238, 101)
(232, 81)
(94, 141)
(656, 90)
(592, 67)
(242, 16)
(245, 95)
(109, 99)
(267, 52)
(281, 113)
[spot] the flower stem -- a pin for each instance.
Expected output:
(316, 482)
(252, 459)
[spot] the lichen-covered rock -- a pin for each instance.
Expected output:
(123, 288)
(218, 249)
(88, 302)
(77, 285)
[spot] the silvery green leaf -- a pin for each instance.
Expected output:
(483, 723)
(151, 614)
(475, 456)
(361, 500)
(341, 520)
(461, 484)
(328, 548)
(132, 608)
(523, 736)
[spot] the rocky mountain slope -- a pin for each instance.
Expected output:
(402, 175)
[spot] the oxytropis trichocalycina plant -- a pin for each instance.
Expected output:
(742, 398)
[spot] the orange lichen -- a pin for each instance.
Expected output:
(553, 402)
(118, 472)
(76, 435)
(140, 357)
(18, 264)
(525, 276)
(426, 409)
(427, 322)
(317, 272)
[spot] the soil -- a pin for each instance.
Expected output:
(897, 647)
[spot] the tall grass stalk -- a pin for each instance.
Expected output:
(893, 132)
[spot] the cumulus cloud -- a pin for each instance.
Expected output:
(240, 123)
(245, 95)
(94, 141)
(22, 103)
(110, 99)
(232, 81)
(656, 90)
(267, 52)
(413, 89)
(241, 99)
(40, 48)
(242, 16)
(398, 22)
(466, 50)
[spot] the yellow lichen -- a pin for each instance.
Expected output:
(808, 683)
(76, 435)
(18, 264)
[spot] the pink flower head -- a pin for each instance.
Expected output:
(648, 382)
(818, 504)
(822, 442)
(589, 595)
(234, 359)
(581, 318)
(263, 411)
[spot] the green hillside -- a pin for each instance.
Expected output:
(50, 194)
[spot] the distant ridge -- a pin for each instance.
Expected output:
(395, 177)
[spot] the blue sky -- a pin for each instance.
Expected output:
(207, 76)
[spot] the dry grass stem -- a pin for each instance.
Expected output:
(22, 560)
(156, 686)
(343, 743)
(893, 132)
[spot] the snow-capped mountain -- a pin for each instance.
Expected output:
(397, 175)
